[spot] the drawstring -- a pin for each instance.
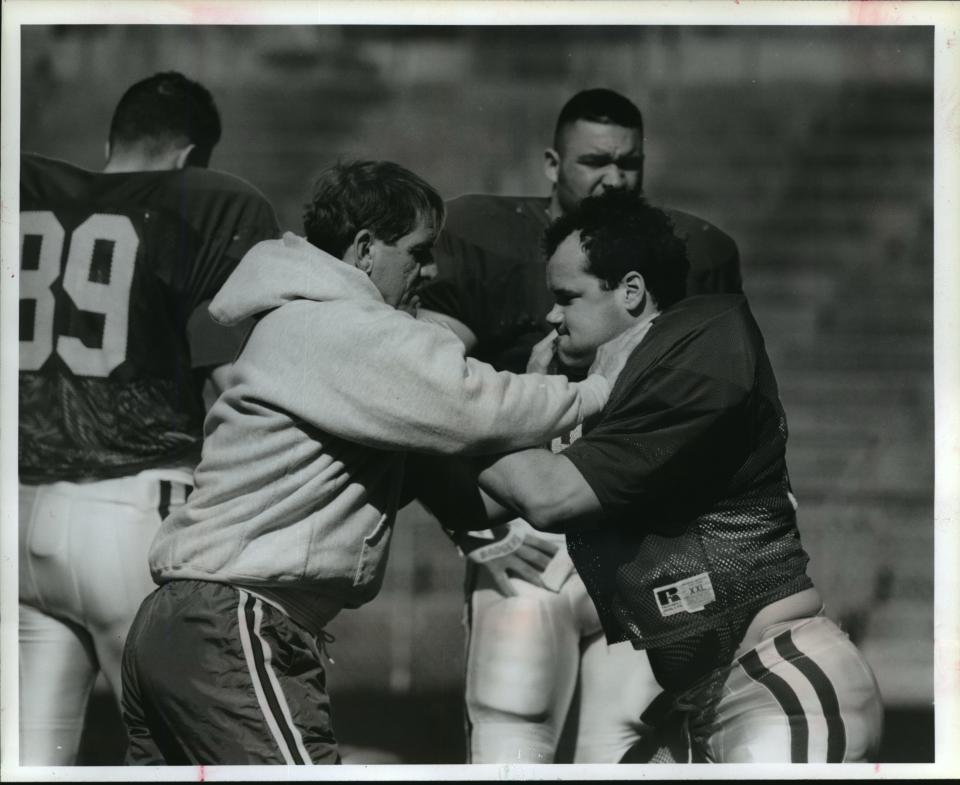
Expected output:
(322, 640)
(686, 706)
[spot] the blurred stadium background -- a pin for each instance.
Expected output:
(812, 146)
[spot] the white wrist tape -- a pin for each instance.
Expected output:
(560, 568)
(497, 549)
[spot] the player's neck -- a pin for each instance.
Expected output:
(642, 318)
(122, 165)
(133, 161)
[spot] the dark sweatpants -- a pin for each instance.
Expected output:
(214, 675)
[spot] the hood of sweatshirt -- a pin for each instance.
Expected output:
(275, 272)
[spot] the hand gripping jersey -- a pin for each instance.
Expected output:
(492, 271)
(115, 272)
(688, 464)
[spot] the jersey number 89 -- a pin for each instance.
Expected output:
(102, 288)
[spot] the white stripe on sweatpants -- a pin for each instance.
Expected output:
(273, 722)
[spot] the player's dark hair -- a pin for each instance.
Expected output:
(167, 109)
(620, 232)
(379, 196)
(598, 105)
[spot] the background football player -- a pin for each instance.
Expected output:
(531, 628)
(116, 268)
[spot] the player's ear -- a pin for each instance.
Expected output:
(551, 164)
(183, 156)
(362, 247)
(634, 291)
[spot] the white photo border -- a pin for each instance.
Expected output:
(943, 16)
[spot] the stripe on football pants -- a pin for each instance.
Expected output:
(288, 726)
(784, 695)
(470, 581)
(273, 704)
(826, 694)
(164, 507)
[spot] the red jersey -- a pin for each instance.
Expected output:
(115, 273)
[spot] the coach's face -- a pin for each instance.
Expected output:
(593, 158)
(394, 268)
(586, 314)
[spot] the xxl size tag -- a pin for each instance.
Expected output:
(689, 595)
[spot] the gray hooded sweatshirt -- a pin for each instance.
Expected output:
(303, 453)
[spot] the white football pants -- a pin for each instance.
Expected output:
(83, 573)
(804, 694)
(524, 656)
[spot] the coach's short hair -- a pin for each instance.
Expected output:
(598, 105)
(379, 196)
(164, 110)
(621, 232)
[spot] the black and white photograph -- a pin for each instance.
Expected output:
(504, 390)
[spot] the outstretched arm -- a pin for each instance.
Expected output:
(447, 487)
(545, 489)
(392, 382)
(542, 487)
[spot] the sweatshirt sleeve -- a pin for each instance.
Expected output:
(373, 375)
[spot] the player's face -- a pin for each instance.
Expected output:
(585, 314)
(594, 157)
(395, 267)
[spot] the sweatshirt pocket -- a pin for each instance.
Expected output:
(373, 555)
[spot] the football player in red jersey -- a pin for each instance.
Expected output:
(678, 508)
(532, 631)
(116, 269)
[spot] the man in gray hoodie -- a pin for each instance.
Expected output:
(303, 471)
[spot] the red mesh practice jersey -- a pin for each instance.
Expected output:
(115, 274)
(492, 271)
(688, 463)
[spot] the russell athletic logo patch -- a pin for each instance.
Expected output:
(687, 596)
